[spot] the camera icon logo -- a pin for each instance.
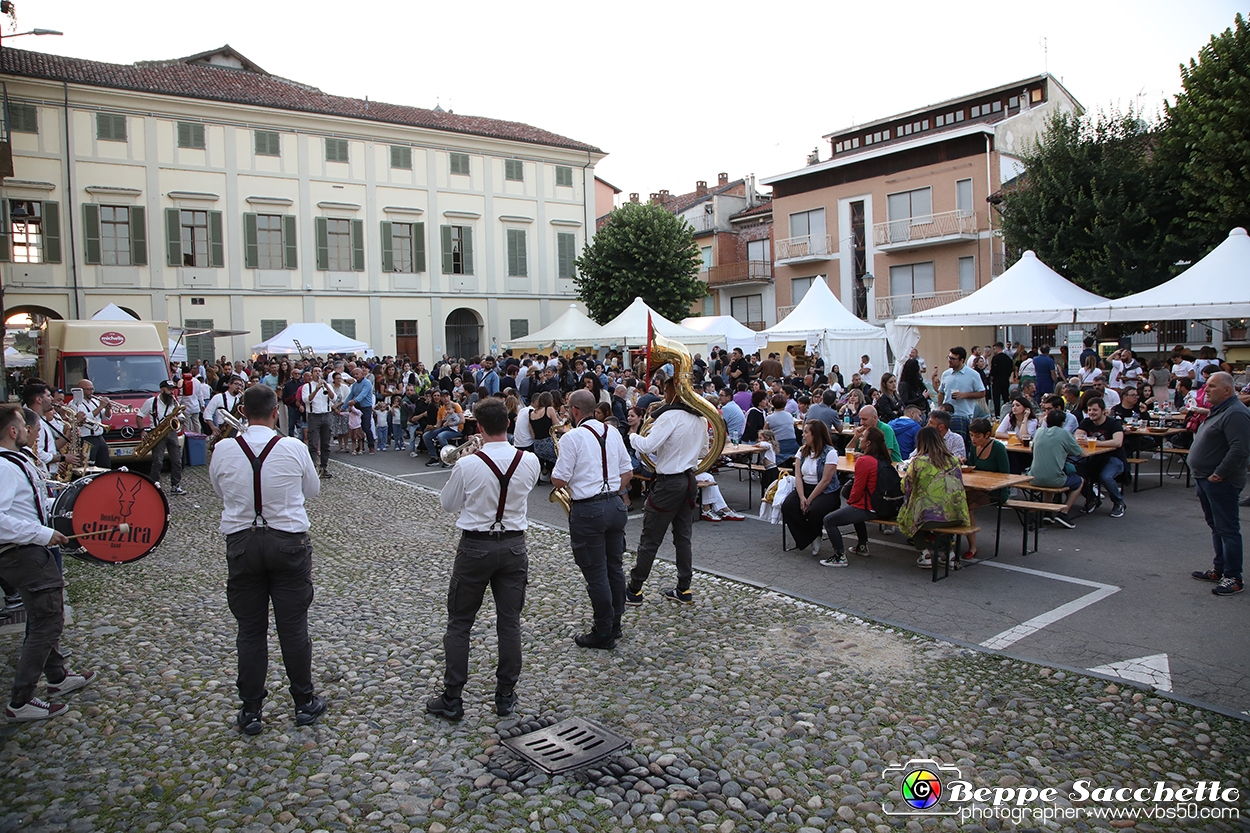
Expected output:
(922, 781)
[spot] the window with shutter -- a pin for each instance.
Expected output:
(193, 238)
(514, 169)
(270, 327)
(270, 245)
(566, 253)
(23, 118)
(290, 242)
(336, 150)
(516, 253)
(519, 327)
(268, 143)
(110, 127)
(401, 157)
(26, 231)
(459, 163)
(344, 326)
(114, 236)
(564, 176)
(457, 250)
(338, 244)
(199, 347)
(191, 135)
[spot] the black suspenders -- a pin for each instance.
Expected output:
(503, 484)
(257, 462)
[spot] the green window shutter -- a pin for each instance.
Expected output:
(358, 245)
(184, 134)
(516, 253)
(446, 235)
(466, 233)
(251, 249)
(138, 236)
(344, 326)
(564, 176)
(290, 242)
(51, 232)
(216, 241)
(514, 169)
(323, 245)
(418, 247)
(388, 257)
(566, 253)
(91, 232)
(173, 238)
(401, 157)
(6, 233)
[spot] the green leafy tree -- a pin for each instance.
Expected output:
(1206, 140)
(641, 251)
(1093, 205)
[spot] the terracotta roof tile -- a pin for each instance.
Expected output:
(215, 83)
(765, 207)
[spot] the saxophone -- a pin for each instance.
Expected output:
(159, 431)
(661, 350)
(72, 444)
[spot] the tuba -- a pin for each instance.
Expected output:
(662, 350)
(159, 431)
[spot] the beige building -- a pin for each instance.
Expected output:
(211, 194)
(897, 218)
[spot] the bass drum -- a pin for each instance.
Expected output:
(99, 503)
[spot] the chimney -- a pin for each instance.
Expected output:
(655, 198)
(1025, 104)
(664, 193)
(722, 179)
(633, 197)
(813, 158)
(700, 188)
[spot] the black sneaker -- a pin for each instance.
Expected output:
(632, 598)
(505, 704)
(451, 708)
(250, 722)
(434, 462)
(307, 714)
(177, 490)
(1117, 510)
(1091, 506)
(1228, 586)
(595, 639)
(683, 596)
(1206, 575)
(1064, 521)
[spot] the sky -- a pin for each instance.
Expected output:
(674, 91)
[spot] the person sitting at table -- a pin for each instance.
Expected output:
(868, 419)
(735, 418)
(768, 458)
(755, 417)
(1108, 432)
(940, 421)
(715, 508)
(781, 423)
(888, 405)
(1021, 422)
(1105, 393)
(1052, 446)
(1026, 390)
(988, 454)
(815, 487)
(826, 411)
(905, 428)
(933, 497)
(851, 405)
(911, 387)
(1055, 402)
(871, 453)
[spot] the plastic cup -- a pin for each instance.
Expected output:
(850, 456)
(1093, 443)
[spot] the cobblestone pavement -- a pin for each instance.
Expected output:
(748, 710)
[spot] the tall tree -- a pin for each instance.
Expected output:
(641, 251)
(1206, 139)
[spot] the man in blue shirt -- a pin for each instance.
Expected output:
(735, 419)
(362, 394)
(961, 384)
(905, 428)
(489, 378)
(1044, 369)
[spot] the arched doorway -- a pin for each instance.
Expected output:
(29, 316)
(463, 333)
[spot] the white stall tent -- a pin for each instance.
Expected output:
(321, 338)
(1218, 286)
(629, 329)
(15, 358)
(573, 329)
(822, 325)
(736, 333)
(177, 350)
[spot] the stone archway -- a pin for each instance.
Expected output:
(464, 333)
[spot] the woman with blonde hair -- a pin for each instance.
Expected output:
(933, 498)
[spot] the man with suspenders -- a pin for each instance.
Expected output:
(490, 489)
(158, 409)
(317, 399)
(263, 480)
(594, 465)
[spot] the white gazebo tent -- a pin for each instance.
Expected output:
(112, 312)
(318, 337)
(824, 326)
(1218, 286)
(630, 328)
(574, 328)
(736, 333)
(15, 358)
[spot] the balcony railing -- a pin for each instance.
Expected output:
(702, 222)
(782, 312)
(755, 325)
(926, 230)
(892, 306)
(747, 271)
(804, 248)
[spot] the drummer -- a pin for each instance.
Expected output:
(27, 565)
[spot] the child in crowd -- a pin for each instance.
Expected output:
(355, 435)
(381, 416)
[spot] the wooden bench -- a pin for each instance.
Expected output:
(1030, 509)
(1183, 455)
(957, 531)
(1134, 466)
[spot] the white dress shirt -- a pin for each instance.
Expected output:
(580, 463)
(287, 479)
(474, 489)
(675, 442)
(158, 411)
(46, 447)
(88, 429)
(316, 397)
(219, 401)
(19, 519)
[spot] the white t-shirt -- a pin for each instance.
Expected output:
(1184, 369)
(1117, 370)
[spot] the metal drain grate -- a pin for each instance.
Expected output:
(568, 745)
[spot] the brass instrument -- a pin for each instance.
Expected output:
(231, 425)
(159, 431)
(451, 454)
(73, 445)
(661, 350)
(560, 494)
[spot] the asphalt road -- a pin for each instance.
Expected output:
(1113, 595)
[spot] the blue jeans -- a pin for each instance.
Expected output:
(1112, 469)
(1219, 507)
(366, 422)
(383, 433)
(435, 440)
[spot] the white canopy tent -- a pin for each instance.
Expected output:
(14, 358)
(1030, 292)
(574, 328)
(630, 328)
(177, 350)
(1218, 286)
(317, 336)
(736, 333)
(826, 327)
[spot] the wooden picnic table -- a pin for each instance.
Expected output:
(985, 481)
(1086, 451)
(1158, 434)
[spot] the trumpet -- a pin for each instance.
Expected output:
(451, 454)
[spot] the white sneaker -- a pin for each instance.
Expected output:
(816, 547)
(72, 682)
(925, 561)
(730, 515)
(36, 709)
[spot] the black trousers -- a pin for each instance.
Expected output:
(265, 566)
(170, 444)
(319, 438)
(597, 533)
(99, 453)
(1000, 392)
(33, 571)
(502, 564)
(672, 501)
(806, 527)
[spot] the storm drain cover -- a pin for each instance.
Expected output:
(567, 745)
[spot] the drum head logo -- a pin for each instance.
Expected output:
(94, 508)
(112, 339)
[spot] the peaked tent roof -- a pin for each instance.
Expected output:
(320, 337)
(1218, 286)
(574, 327)
(630, 327)
(736, 333)
(1030, 292)
(820, 311)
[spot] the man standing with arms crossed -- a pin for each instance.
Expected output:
(594, 465)
(675, 442)
(490, 488)
(317, 399)
(1218, 460)
(263, 480)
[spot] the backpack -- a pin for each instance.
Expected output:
(887, 497)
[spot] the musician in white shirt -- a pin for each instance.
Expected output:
(227, 399)
(93, 411)
(316, 401)
(158, 409)
(490, 488)
(595, 466)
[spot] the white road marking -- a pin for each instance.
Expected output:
(1025, 629)
(1152, 670)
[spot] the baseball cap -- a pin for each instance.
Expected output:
(166, 383)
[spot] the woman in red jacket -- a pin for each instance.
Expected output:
(858, 509)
